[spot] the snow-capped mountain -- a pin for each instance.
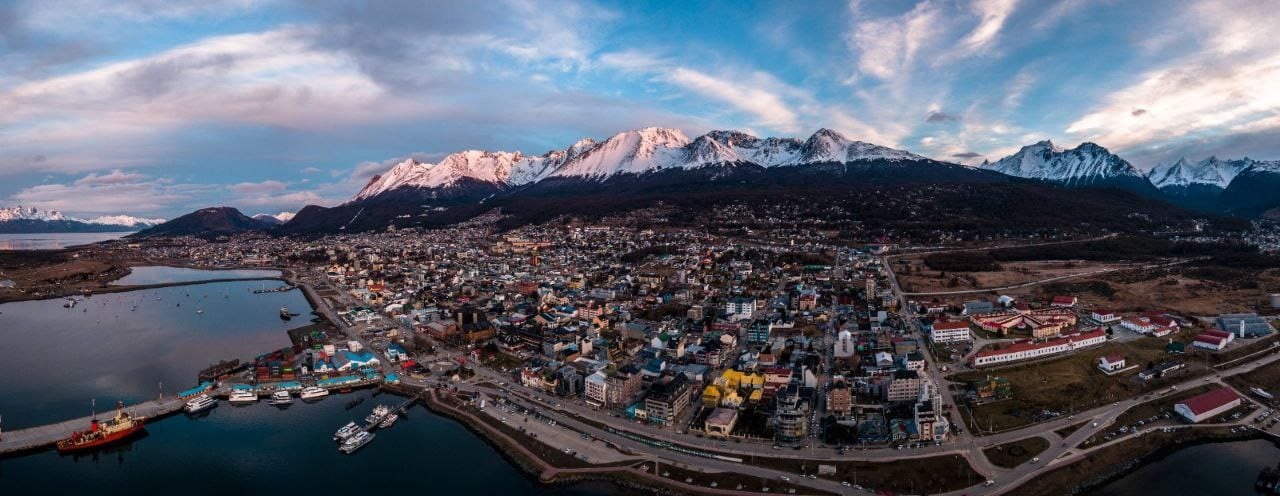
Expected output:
(631, 152)
(1087, 164)
(1211, 171)
(275, 219)
(124, 220)
(29, 213)
(21, 219)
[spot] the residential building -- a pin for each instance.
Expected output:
(667, 399)
(596, 389)
(956, 331)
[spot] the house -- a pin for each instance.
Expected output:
(720, 423)
(1213, 339)
(950, 332)
(1208, 405)
(1138, 324)
(1024, 350)
(1112, 363)
(1063, 301)
(977, 307)
(1104, 317)
(596, 389)
(740, 307)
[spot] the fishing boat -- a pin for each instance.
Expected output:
(376, 416)
(356, 442)
(281, 398)
(314, 393)
(102, 433)
(200, 404)
(243, 397)
(345, 432)
(388, 421)
(284, 313)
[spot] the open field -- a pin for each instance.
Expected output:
(1068, 384)
(1267, 378)
(919, 276)
(1190, 291)
(1012, 454)
(908, 476)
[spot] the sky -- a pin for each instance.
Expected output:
(156, 108)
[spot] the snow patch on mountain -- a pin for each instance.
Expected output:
(1083, 164)
(631, 152)
(1211, 171)
(36, 214)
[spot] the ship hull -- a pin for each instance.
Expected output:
(98, 443)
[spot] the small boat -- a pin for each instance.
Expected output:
(200, 404)
(345, 432)
(377, 415)
(388, 421)
(199, 310)
(243, 397)
(281, 398)
(313, 393)
(122, 427)
(355, 402)
(356, 442)
(1261, 393)
(284, 313)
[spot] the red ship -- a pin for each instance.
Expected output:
(122, 427)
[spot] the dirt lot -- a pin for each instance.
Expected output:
(908, 476)
(1071, 383)
(1010, 455)
(919, 277)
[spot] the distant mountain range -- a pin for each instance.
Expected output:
(206, 222)
(28, 220)
(639, 167)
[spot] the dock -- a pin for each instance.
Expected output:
(46, 435)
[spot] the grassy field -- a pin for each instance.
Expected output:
(1012, 454)
(921, 277)
(910, 476)
(1072, 383)
(1267, 378)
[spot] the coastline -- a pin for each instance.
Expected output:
(1116, 462)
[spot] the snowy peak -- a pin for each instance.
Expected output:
(36, 214)
(29, 213)
(631, 152)
(1211, 171)
(274, 220)
(1084, 164)
(830, 146)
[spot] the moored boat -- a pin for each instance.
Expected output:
(281, 398)
(102, 433)
(200, 404)
(345, 432)
(314, 392)
(356, 442)
(284, 313)
(243, 397)
(377, 415)
(388, 421)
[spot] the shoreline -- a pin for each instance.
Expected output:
(1162, 453)
(105, 287)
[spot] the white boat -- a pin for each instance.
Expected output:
(379, 412)
(239, 397)
(346, 431)
(356, 442)
(388, 421)
(314, 392)
(200, 404)
(279, 398)
(1261, 393)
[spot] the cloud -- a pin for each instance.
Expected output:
(767, 107)
(114, 177)
(967, 155)
(111, 194)
(992, 14)
(311, 170)
(940, 117)
(1137, 112)
(887, 47)
(259, 188)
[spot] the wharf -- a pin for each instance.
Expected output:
(38, 437)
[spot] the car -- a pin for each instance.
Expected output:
(1035, 460)
(990, 483)
(846, 484)
(785, 478)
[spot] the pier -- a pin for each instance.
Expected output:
(46, 435)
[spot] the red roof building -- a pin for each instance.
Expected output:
(1205, 406)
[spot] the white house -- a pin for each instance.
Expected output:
(1105, 317)
(950, 332)
(1111, 363)
(1208, 405)
(1138, 324)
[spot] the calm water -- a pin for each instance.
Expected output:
(53, 241)
(164, 275)
(1220, 469)
(55, 359)
(260, 449)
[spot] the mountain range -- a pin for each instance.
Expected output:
(21, 219)
(639, 167)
